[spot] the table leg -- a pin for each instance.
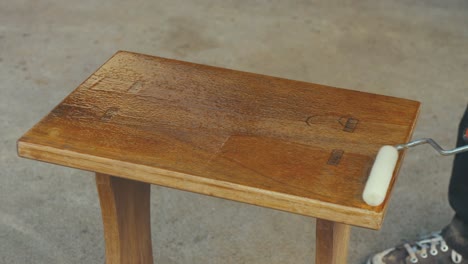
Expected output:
(125, 207)
(331, 242)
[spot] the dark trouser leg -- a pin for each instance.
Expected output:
(456, 234)
(458, 190)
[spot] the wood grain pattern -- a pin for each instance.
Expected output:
(290, 145)
(125, 207)
(332, 242)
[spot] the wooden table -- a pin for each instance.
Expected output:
(289, 145)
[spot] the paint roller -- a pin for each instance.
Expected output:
(381, 173)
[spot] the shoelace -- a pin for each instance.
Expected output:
(422, 246)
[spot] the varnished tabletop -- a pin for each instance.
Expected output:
(294, 146)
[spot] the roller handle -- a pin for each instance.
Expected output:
(381, 174)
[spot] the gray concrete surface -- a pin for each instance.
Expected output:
(411, 49)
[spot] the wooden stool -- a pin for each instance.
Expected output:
(288, 145)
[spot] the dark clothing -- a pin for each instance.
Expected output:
(458, 190)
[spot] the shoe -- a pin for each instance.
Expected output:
(430, 250)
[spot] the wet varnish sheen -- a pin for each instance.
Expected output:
(289, 145)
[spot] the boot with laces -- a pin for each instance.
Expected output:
(446, 247)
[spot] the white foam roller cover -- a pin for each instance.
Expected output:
(381, 174)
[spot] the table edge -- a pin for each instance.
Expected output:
(217, 188)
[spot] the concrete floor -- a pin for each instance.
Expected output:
(411, 49)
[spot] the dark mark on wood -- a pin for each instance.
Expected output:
(350, 124)
(308, 120)
(58, 111)
(335, 157)
(72, 111)
(109, 114)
